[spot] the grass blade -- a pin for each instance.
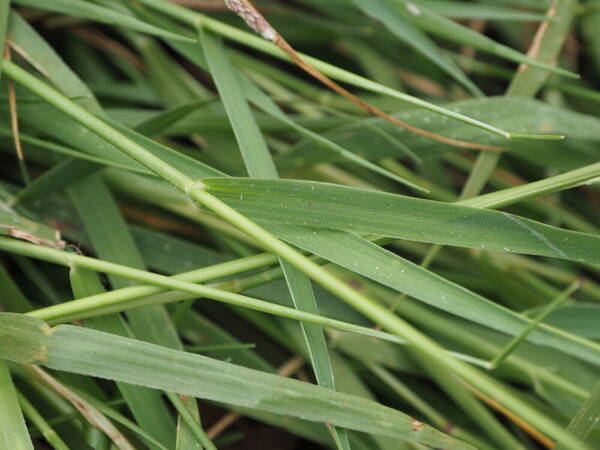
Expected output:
(4, 9)
(13, 299)
(545, 48)
(252, 145)
(192, 18)
(460, 10)
(260, 165)
(390, 14)
(101, 14)
(400, 275)
(196, 191)
(449, 29)
(586, 419)
(323, 206)
(38, 420)
(14, 432)
(57, 178)
(90, 352)
(190, 434)
(151, 142)
(17, 226)
(534, 323)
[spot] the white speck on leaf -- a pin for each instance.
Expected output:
(413, 9)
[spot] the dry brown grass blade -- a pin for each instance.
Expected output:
(91, 414)
(255, 20)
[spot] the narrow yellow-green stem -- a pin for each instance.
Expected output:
(515, 341)
(515, 194)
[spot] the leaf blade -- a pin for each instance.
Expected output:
(320, 205)
(14, 432)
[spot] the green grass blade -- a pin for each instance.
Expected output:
(252, 145)
(192, 19)
(449, 29)
(171, 83)
(44, 58)
(145, 404)
(521, 114)
(15, 225)
(97, 13)
(550, 307)
(56, 179)
(323, 206)
(259, 164)
(402, 277)
(590, 22)
(530, 79)
(420, 284)
(196, 191)
(76, 310)
(38, 420)
(14, 433)
(264, 102)
(395, 20)
(470, 404)
(190, 434)
(304, 300)
(326, 244)
(583, 424)
(161, 121)
(67, 151)
(81, 350)
(13, 299)
(460, 10)
(98, 305)
(143, 120)
(4, 12)
(166, 253)
(121, 419)
(260, 99)
(578, 318)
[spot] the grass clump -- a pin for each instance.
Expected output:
(365, 224)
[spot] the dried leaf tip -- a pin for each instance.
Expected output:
(252, 18)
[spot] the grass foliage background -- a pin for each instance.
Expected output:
(207, 242)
